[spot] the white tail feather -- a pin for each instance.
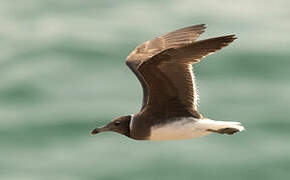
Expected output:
(216, 125)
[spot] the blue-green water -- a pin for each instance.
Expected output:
(62, 74)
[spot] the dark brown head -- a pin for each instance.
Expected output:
(119, 125)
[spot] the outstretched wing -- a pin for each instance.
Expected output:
(148, 49)
(169, 78)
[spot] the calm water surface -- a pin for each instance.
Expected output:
(63, 73)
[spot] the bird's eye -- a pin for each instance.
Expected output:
(117, 123)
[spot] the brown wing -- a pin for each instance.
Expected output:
(173, 39)
(170, 80)
(150, 48)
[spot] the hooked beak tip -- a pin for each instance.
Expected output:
(94, 132)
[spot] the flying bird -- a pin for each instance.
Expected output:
(164, 67)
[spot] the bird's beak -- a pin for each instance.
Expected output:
(99, 130)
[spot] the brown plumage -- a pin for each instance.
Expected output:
(170, 70)
(163, 66)
(155, 46)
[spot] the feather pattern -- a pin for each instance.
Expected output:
(164, 69)
(145, 51)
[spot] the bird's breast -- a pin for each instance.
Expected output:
(183, 128)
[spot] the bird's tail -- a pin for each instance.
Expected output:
(221, 127)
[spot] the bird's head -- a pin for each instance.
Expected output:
(120, 125)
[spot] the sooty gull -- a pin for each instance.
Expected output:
(164, 68)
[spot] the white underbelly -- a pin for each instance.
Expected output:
(185, 128)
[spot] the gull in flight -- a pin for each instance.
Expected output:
(164, 67)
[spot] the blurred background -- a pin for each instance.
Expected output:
(63, 73)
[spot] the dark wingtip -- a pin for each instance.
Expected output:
(199, 26)
(227, 39)
(232, 36)
(203, 25)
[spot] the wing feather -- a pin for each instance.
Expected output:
(194, 52)
(150, 48)
(173, 39)
(164, 68)
(170, 80)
